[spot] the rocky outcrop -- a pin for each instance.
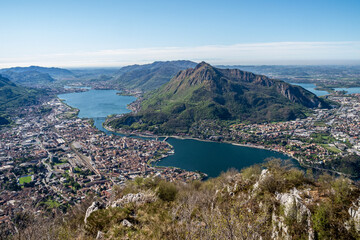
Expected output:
(100, 235)
(295, 209)
(297, 94)
(263, 176)
(136, 198)
(93, 207)
(126, 223)
(354, 212)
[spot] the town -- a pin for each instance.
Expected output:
(321, 140)
(53, 159)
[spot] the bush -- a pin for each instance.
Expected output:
(251, 173)
(167, 191)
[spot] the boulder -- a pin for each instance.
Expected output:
(126, 223)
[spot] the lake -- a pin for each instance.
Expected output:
(349, 90)
(209, 157)
(311, 87)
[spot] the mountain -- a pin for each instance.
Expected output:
(209, 93)
(54, 72)
(28, 78)
(150, 76)
(34, 75)
(13, 96)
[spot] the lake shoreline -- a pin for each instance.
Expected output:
(183, 153)
(126, 133)
(254, 146)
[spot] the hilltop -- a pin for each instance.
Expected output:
(150, 76)
(209, 93)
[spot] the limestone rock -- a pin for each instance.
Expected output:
(264, 174)
(93, 207)
(126, 223)
(295, 208)
(354, 212)
(100, 235)
(137, 198)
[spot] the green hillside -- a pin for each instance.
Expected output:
(150, 76)
(208, 93)
(13, 96)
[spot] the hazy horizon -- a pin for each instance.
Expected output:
(118, 33)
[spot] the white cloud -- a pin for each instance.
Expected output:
(251, 53)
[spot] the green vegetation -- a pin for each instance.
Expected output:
(24, 180)
(52, 203)
(331, 148)
(12, 97)
(81, 172)
(208, 93)
(322, 138)
(56, 161)
(167, 191)
(70, 182)
(150, 76)
(349, 165)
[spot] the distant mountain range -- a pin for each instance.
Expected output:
(34, 75)
(52, 71)
(150, 76)
(206, 92)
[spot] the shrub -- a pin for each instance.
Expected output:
(251, 173)
(167, 191)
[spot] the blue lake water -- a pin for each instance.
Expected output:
(311, 87)
(98, 103)
(349, 90)
(208, 157)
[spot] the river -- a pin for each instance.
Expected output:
(209, 157)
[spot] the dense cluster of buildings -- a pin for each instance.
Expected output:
(321, 137)
(51, 158)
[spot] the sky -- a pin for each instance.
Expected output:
(106, 33)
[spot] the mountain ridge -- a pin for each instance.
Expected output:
(150, 76)
(35, 75)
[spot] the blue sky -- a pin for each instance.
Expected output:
(115, 33)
